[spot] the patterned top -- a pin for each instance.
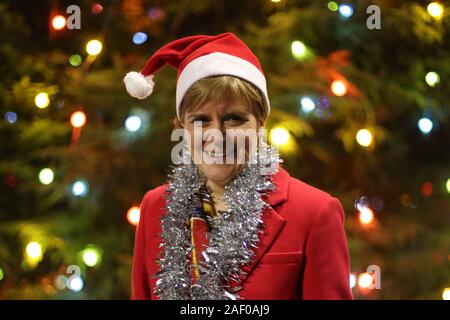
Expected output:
(202, 220)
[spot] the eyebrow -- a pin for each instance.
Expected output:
(231, 113)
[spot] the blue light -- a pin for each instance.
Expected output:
(11, 117)
(79, 188)
(345, 10)
(75, 283)
(139, 37)
(133, 123)
(425, 125)
(307, 104)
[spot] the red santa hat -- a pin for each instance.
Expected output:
(197, 57)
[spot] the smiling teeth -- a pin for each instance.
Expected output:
(215, 154)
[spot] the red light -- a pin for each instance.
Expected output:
(58, 22)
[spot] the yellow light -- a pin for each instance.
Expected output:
(446, 294)
(432, 78)
(78, 119)
(133, 215)
(366, 216)
(364, 137)
(448, 185)
(94, 47)
(338, 88)
(275, 0)
(34, 251)
(365, 280)
(279, 136)
(436, 10)
(46, 176)
(58, 22)
(42, 100)
(298, 49)
(91, 257)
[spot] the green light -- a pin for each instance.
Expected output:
(333, 6)
(2, 274)
(75, 60)
(91, 256)
(298, 49)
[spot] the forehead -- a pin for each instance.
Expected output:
(221, 106)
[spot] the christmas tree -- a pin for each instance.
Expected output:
(360, 108)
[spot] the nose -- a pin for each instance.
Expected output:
(216, 125)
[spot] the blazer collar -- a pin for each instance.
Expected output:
(280, 194)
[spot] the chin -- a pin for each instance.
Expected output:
(218, 173)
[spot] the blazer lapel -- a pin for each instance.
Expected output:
(273, 222)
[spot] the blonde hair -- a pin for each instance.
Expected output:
(224, 88)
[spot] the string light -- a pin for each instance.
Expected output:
(332, 6)
(432, 78)
(436, 10)
(446, 294)
(298, 49)
(46, 176)
(307, 104)
(425, 125)
(133, 215)
(60, 282)
(427, 189)
(78, 119)
(75, 283)
(58, 22)
(11, 117)
(133, 123)
(96, 8)
(365, 280)
(345, 10)
(2, 274)
(366, 216)
(91, 256)
(279, 136)
(364, 137)
(94, 47)
(80, 188)
(338, 88)
(447, 185)
(34, 251)
(75, 60)
(139, 37)
(42, 100)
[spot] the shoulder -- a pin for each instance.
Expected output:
(154, 196)
(312, 201)
(153, 203)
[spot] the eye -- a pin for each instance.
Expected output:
(200, 118)
(235, 119)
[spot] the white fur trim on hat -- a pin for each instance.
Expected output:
(138, 85)
(218, 63)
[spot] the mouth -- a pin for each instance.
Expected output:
(216, 154)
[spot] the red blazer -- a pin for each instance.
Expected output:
(302, 252)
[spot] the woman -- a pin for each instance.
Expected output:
(231, 225)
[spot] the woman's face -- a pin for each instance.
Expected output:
(217, 128)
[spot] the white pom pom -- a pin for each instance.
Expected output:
(138, 85)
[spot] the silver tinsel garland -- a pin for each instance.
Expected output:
(231, 242)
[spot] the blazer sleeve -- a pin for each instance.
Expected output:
(139, 276)
(326, 273)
